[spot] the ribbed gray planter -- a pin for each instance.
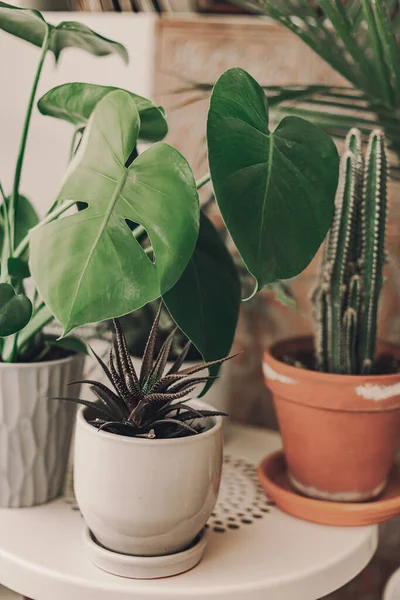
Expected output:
(35, 432)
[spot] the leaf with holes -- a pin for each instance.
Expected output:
(15, 310)
(75, 102)
(275, 189)
(88, 266)
(30, 25)
(211, 288)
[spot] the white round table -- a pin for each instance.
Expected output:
(392, 589)
(254, 550)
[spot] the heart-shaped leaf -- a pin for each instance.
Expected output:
(275, 189)
(74, 102)
(30, 25)
(15, 310)
(205, 301)
(77, 35)
(26, 218)
(89, 266)
(39, 320)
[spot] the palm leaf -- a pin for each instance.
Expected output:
(358, 39)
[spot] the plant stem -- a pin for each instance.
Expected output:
(48, 219)
(76, 140)
(4, 252)
(203, 180)
(2, 193)
(22, 147)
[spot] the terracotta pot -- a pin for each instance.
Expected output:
(340, 432)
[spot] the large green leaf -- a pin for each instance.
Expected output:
(15, 310)
(26, 218)
(89, 266)
(30, 25)
(275, 189)
(74, 102)
(14, 348)
(205, 301)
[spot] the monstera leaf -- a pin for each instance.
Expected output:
(205, 302)
(15, 310)
(30, 25)
(88, 266)
(74, 102)
(275, 189)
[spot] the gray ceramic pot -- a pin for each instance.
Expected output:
(35, 432)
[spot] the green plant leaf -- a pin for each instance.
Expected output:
(26, 218)
(18, 268)
(41, 317)
(275, 189)
(30, 25)
(74, 102)
(89, 266)
(205, 301)
(71, 343)
(15, 310)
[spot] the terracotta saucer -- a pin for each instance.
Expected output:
(272, 474)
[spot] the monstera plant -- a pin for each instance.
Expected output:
(275, 191)
(126, 229)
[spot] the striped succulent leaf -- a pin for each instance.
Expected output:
(151, 403)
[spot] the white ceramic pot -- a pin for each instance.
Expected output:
(35, 432)
(147, 497)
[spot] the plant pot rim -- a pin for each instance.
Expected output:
(306, 342)
(123, 439)
(44, 363)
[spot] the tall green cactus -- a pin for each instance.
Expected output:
(350, 282)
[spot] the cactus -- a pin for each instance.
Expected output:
(347, 296)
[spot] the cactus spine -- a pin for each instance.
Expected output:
(346, 299)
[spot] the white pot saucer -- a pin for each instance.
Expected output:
(144, 567)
